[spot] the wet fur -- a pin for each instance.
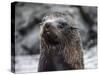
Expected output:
(66, 55)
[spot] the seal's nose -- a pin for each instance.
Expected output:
(47, 25)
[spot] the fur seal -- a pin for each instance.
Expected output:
(61, 47)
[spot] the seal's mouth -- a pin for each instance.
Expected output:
(50, 37)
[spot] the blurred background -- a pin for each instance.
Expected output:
(27, 33)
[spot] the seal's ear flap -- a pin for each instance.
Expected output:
(74, 28)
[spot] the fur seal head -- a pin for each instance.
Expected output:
(55, 27)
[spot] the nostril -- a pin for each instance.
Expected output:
(47, 25)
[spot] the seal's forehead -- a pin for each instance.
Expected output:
(52, 16)
(59, 18)
(56, 20)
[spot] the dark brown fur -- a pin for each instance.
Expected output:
(60, 46)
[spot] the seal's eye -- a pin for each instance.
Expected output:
(61, 25)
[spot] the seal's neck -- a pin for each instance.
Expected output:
(69, 49)
(52, 50)
(73, 52)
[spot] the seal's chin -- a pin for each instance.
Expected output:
(50, 38)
